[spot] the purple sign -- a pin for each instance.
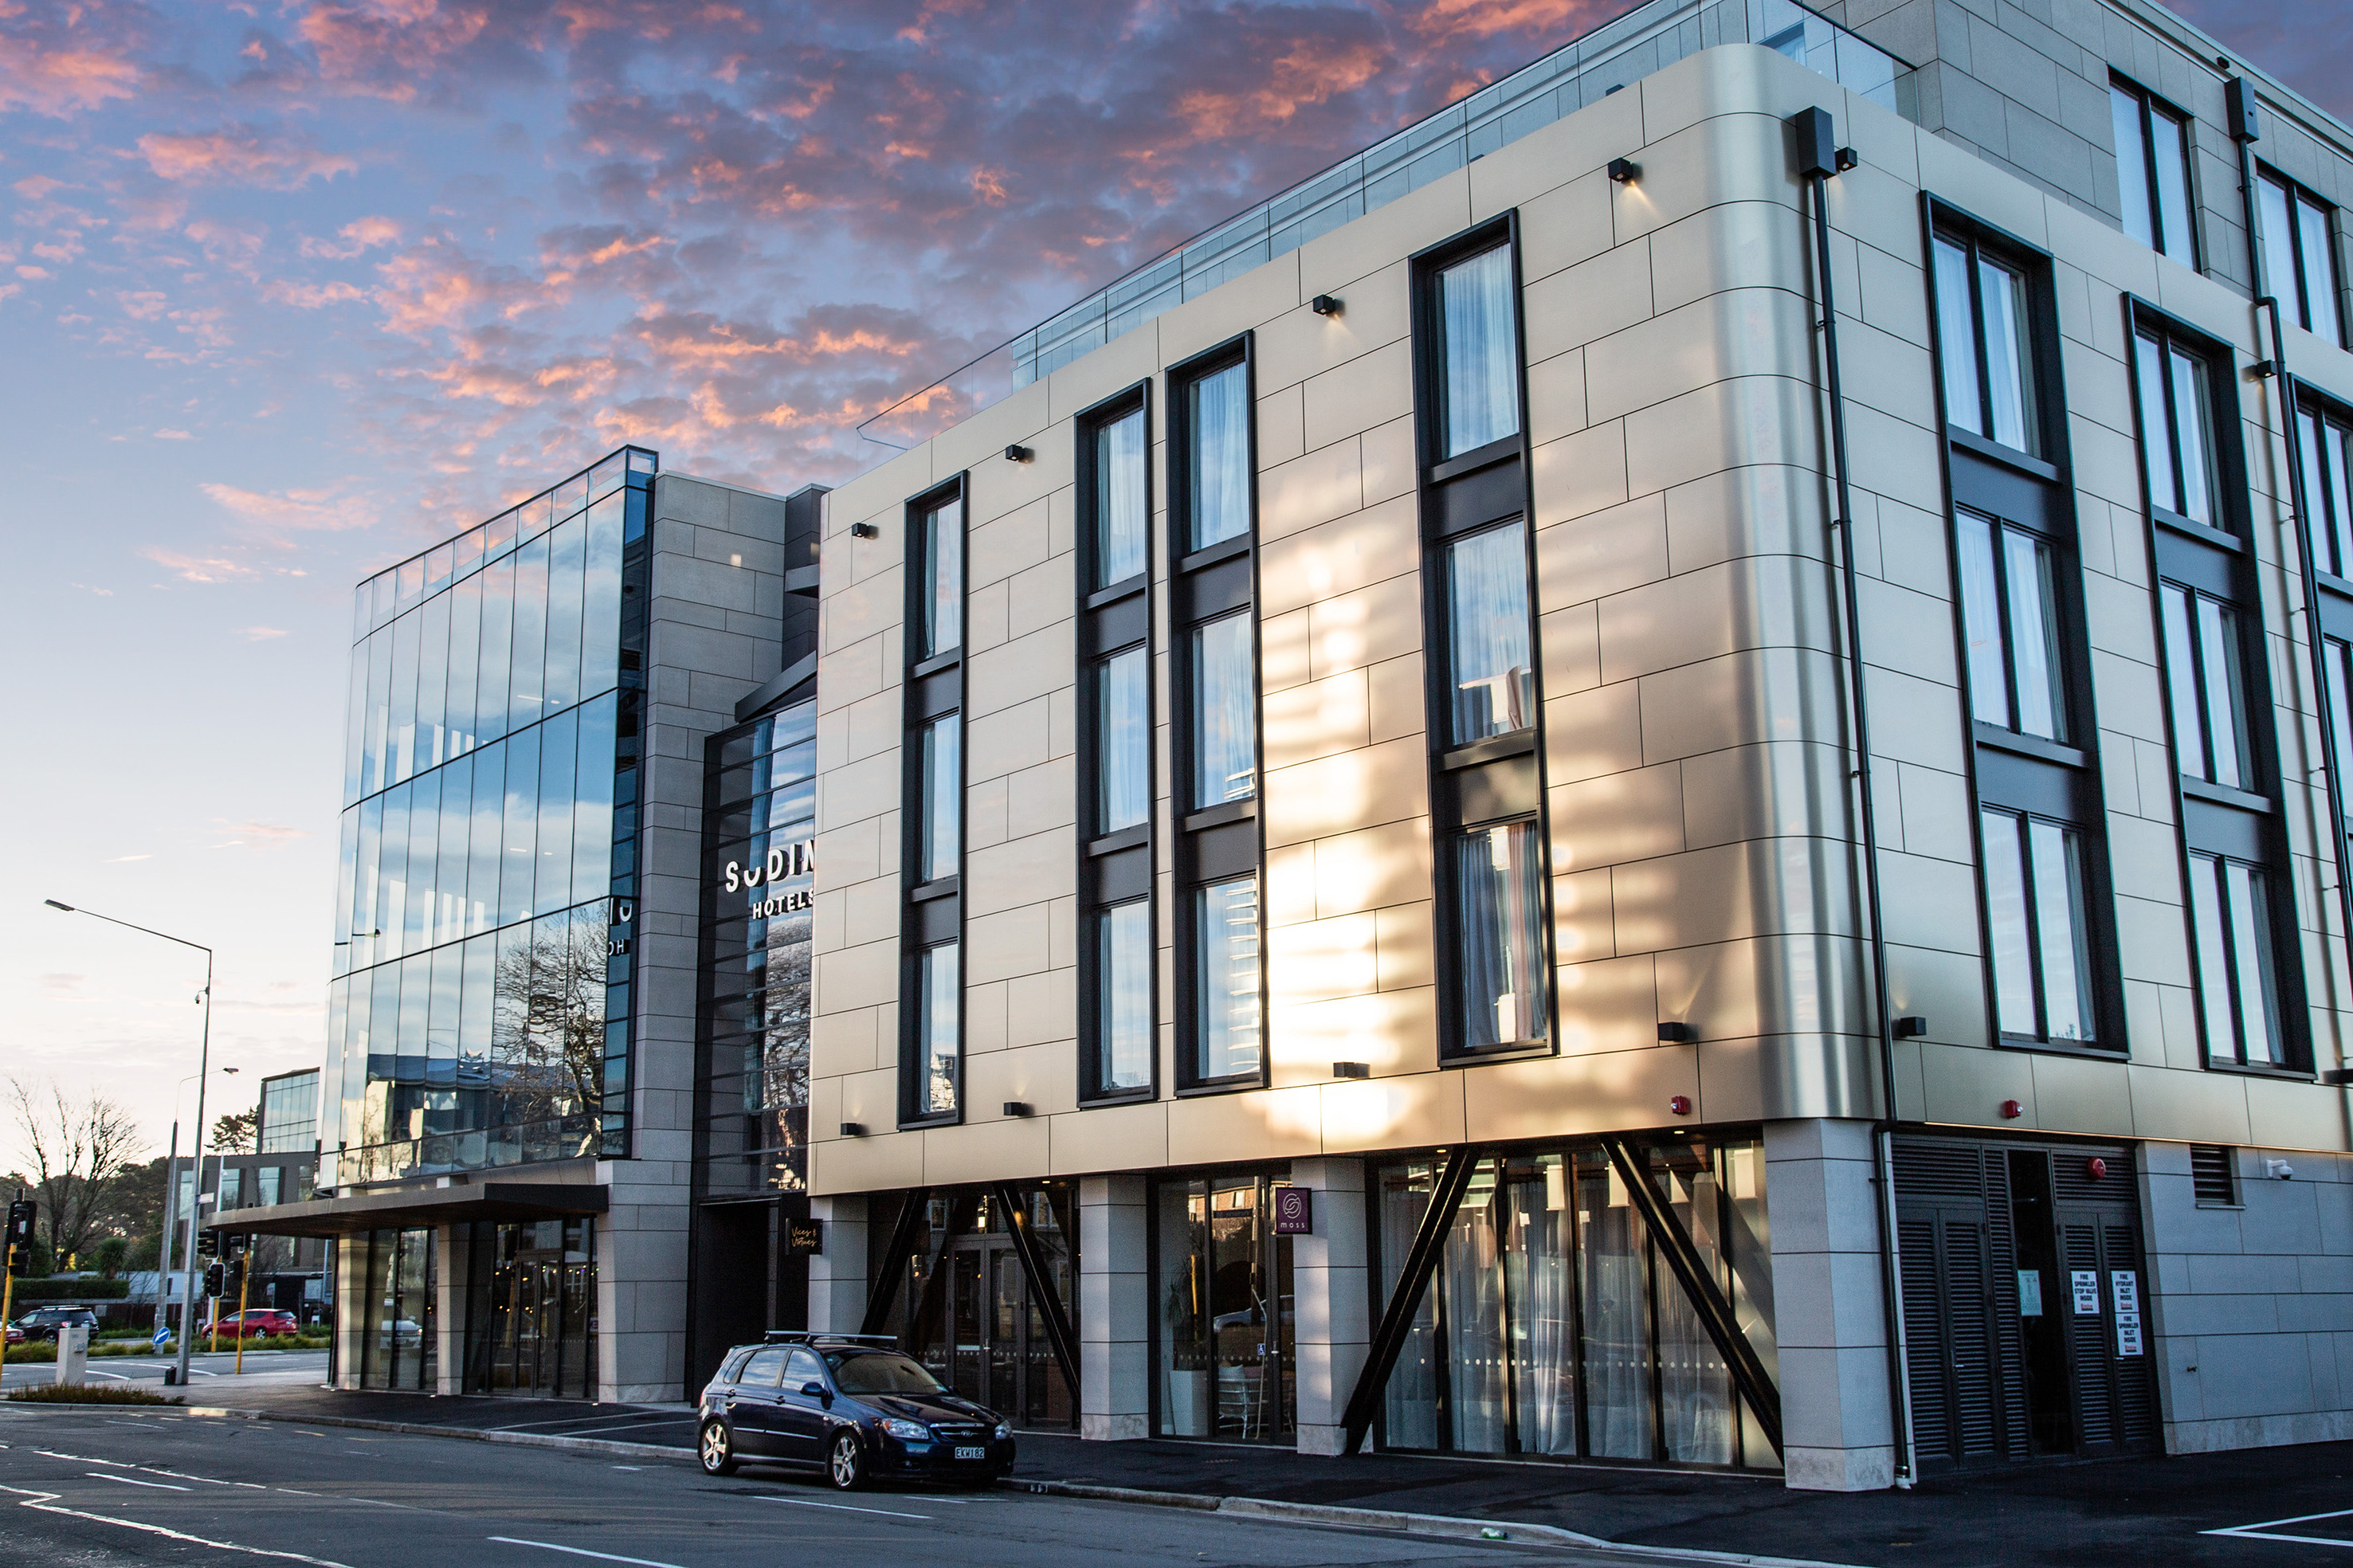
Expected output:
(1294, 1211)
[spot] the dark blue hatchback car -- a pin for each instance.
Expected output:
(852, 1404)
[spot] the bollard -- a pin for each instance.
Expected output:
(73, 1353)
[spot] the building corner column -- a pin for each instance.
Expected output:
(1115, 1309)
(452, 1256)
(1829, 1319)
(838, 1274)
(1333, 1328)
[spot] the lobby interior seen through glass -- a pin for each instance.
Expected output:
(477, 1014)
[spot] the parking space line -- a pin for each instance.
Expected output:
(581, 1552)
(134, 1481)
(2262, 1532)
(843, 1507)
(47, 1502)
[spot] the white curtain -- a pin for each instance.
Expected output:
(1219, 481)
(1487, 604)
(1482, 360)
(1124, 733)
(1119, 500)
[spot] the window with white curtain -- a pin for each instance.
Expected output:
(1217, 489)
(942, 796)
(1123, 741)
(1985, 336)
(1492, 671)
(2231, 933)
(1225, 698)
(2034, 897)
(2153, 171)
(1479, 339)
(2328, 452)
(1123, 956)
(939, 1029)
(2205, 685)
(1499, 915)
(2299, 256)
(2176, 422)
(942, 548)
(2010, 610)
(1122, 501)
(1226, 1003)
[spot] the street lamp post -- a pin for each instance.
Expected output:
(204, 1071)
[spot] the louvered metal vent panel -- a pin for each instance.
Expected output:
(2213, 1175)
(1934, 1168)
(2088, 1338)
(1923, 1333)
(2072, 1183)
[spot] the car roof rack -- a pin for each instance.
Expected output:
(808, 1336)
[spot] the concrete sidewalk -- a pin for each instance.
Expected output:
(2115, 1514)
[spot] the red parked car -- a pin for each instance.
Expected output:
(258, 1323)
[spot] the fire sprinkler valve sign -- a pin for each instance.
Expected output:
(2087, 1283)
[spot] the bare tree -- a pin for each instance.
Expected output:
(75, 1153)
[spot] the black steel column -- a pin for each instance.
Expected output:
(894, 1261)
(1397, 1318)
(1041, 1289)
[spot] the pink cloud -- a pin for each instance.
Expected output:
(243, 155)
(63, 59)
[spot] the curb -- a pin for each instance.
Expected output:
(476, 1435)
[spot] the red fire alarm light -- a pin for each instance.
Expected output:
(2095, 1168)
(1680, 1105)
(2011, 1111)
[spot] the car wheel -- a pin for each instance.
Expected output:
(845, 1465)
(716, 1450)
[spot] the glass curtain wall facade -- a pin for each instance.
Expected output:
(759, 873)
(530, 1307)
(396, 1335)
(479, 1012)
(1551, 1326)
(289, 1113)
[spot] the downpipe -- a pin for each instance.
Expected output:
(1818, 160)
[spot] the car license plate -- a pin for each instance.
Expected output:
(972, 1453)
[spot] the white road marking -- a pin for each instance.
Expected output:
(85, 1458)
(135, 1481)
(843, 1507)
(580, 1551)
(46, 1503)
(2262, 1532)
(629, 1467)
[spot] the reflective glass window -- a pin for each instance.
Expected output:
(942, 567)
(1218, 480)
(1228, 1000)
(1492, 675)
(490, 694)
(1479, 387)
(392, 897)
(1123, 741)
(1499, 914)
(2299, 257)
(465, 662)
(2010, 607)
(1121, 500)
(519, 855)
(592, 820)
(1985, 328)
(424, 845)
(432, 681)
(2152, 171)
(939, 1029)
(567, 565)
(486, 840)
(943, 826)
(2035, 910)
(1124, 1031)
(451, 864)
(600, 613)
(404, 698)
(2205, 684)
(2230, 932)
(1225, 738)
(2176, 429)
(559, 747)
(527, 666)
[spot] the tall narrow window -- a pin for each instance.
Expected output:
(1118, 953)
(2153, 171)
(2327, 449)
(1214, 680)
(942, 600)
(1123, 955)
(939, 1029)
(2202, 678)
(943, 796)
(1984, 327)
(2299, 256)
(2009, 607)
(1226, 936)
(2035, 912)
(2177, 427)
(931, 1026)
(1122, 742)
(1217, 477)
(2230, 920)
(1492, 671)
(1121, 499)
(1225, 698)
(1479, 337)
(1485, 766)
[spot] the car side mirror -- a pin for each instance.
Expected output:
(815, 1390)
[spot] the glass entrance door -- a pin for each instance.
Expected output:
(532, 1317)
(989, 1341)
(1226, 1310)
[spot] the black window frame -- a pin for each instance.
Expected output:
(2152, 108)
(1217, 843)
(2323, 529)
(2300, 310)
(1115, 867)
(2245, 825)
(1981, 239)
(2010, 772)
(932, 912)
(1500, 780)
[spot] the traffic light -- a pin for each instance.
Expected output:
(207, 1242)
(237, 1246)
(16, 1241)
(216, 1277)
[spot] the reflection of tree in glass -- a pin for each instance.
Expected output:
(547, 1032)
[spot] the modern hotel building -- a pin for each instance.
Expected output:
(1658, 774)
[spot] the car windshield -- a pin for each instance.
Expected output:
(878, 1372)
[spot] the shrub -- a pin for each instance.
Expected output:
(88, 1393)
(35, 1292)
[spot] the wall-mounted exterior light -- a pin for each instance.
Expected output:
(1352, 1069)
(864, 530)
(1625, 170)
(1017, 1108)
(1910, 1027)
(853, 1130)
(1324, 305)
(1019, 453)
(1677, 1034)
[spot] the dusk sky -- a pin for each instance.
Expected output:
(291, 290)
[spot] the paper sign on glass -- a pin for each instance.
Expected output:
(2030, 1292)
